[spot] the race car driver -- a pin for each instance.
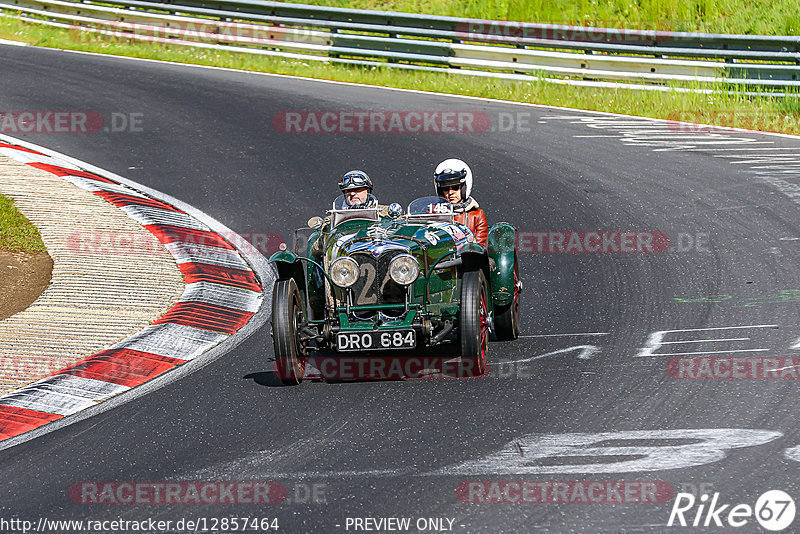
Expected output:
(453, 181)
(356, 187)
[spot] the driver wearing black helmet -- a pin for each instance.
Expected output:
(356, 187)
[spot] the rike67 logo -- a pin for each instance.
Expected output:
(774, 510)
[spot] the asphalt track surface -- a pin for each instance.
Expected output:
(388, 449)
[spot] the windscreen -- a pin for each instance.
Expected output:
(343, 212)
(429, 205)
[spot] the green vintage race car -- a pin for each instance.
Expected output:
(372, 280)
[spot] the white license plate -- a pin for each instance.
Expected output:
(376, 340)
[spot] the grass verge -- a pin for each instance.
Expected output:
(17, 234)
(775, 17)
(768, 113)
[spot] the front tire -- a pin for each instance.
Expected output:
(474, 323)
(290, 356)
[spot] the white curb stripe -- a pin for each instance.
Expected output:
(197, 253)
(230, 297)
(28, 157)
(146, 215)
(90, 388)
(172, 340)
(96, 185)
(43, 400)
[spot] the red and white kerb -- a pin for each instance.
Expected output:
(222, 293)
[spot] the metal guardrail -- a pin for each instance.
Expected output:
(422, 42)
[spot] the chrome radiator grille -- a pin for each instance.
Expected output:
(374, 285)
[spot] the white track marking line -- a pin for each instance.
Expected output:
(708, 352)
(655, 142)
(746, 155)
(786, 161)
(563, 118)
(655, 340)
(587, 351)
(575, 334)
(706, 340)
(786, 166)
(669, 136)
(594, 122)
(742, 156)
(645, 131)
(666, 128)
(792, 453)
(726, 328)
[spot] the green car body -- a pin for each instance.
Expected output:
(430, 305)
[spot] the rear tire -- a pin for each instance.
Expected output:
(506, 318)
(290, 356)
(474, 323)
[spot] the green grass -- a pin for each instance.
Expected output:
(777, 114)
(763, 17)
(17, 234)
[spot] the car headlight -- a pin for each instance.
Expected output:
(404, 269)
(344, 271)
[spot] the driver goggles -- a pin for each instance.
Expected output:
(353, 181)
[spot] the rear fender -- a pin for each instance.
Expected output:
(501, 248)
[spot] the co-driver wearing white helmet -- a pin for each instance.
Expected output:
(453, 181)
